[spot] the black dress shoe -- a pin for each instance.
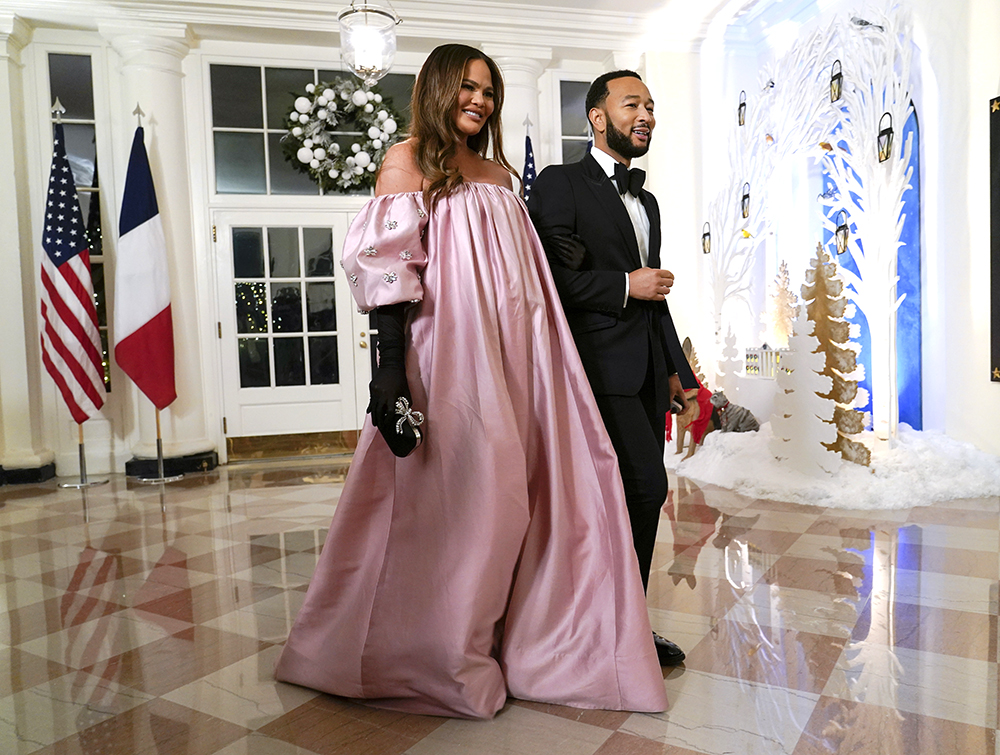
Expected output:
(668, 652)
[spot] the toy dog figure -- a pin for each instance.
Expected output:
(733, 418)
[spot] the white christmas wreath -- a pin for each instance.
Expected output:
(341, 105)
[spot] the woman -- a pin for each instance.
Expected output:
(496, 556)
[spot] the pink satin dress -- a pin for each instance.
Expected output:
(496, 559)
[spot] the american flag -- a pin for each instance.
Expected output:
(71, 342)
(529, 167)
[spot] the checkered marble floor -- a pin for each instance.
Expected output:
(142, 619)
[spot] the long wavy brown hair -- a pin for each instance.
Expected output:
(433, 128)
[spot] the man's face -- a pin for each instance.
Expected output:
(626, 118)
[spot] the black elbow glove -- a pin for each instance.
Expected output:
(389, 384)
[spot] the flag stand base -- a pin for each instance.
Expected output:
(84, 482)
(160, 477)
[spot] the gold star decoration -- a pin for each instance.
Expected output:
(996, 373)
(996, 106)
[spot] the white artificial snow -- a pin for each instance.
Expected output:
(922, 468)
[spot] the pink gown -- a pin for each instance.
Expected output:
(497, 558)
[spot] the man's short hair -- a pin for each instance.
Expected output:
(598, 91)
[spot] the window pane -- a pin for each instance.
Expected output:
(254, 371)
(318, 243)
(324, 369)
(248, 253)
(239, 163)
(105, 362)
(90, 207)
(289, 362)
(97, 273)
(286, 308)
(320, 303)
(573, 152)
(283, 85)
(81, 151)
(283, 246)
(573, 99)
(251, 308)
(236, 100)
(285, 178)
(69, 80)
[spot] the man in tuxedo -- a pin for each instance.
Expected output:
(601, 232)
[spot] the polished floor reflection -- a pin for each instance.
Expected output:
(145, 620)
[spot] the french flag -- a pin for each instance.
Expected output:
(144, 332)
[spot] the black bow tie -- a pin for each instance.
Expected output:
(629, 180)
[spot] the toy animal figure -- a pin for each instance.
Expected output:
(733, 418)
(699, 419)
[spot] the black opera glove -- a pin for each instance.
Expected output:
(566, 250)
(389, 393)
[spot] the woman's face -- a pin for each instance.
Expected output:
(475, 98)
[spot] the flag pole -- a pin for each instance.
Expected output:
(84, 482)
(160, 477)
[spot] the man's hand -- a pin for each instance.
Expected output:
(677, 392)
(649, 284)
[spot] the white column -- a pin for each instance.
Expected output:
(20, 404)
(151, 75)
(521, 67)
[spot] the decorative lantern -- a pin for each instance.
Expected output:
(884, 137)
(836, 82)
(745, 201)
(706, 239)
(843, 232)
(741, 113)
(368, 40)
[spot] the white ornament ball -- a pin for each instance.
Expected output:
(389, 126)
(359, 98)
(371, 167)
(333, 107)
(321, 114)
(369, 108)
(334, 173)
(321, 101)
(319, 153)
(382, 115)
(355, 148)
(303, 118)
(297, 131)
(302, 104)
(344, 95)
(378, 98)
(304, 155)
(373, 132)
(329, 94)
(383, 136)
(377, 143)
(314, 164)
(370, 96)
(310, 88)
(307, 143)
(335, 148)
(362, 159)
(350, 161)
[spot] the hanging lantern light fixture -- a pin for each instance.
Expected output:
(745, 201)
(884, 137)
(843, 232)
(706, 239)
(741, 111)
(368, 40)
(836, 81)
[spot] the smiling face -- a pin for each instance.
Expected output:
(475, 99)
(623, 124)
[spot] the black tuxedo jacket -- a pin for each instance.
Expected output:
(616, 341)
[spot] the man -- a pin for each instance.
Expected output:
(601, 232)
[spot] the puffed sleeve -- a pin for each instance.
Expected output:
(384, 252)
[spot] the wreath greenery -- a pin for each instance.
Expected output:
(312, 146)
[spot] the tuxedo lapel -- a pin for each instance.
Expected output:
(606, 193)
(653, 213)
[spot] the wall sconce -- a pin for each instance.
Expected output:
(741, 112)
(843, 232)
(836, 82)
(745, 201)
(884, 138)
(706, 239)
(368, 40)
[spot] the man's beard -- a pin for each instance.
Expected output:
(622, 144)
